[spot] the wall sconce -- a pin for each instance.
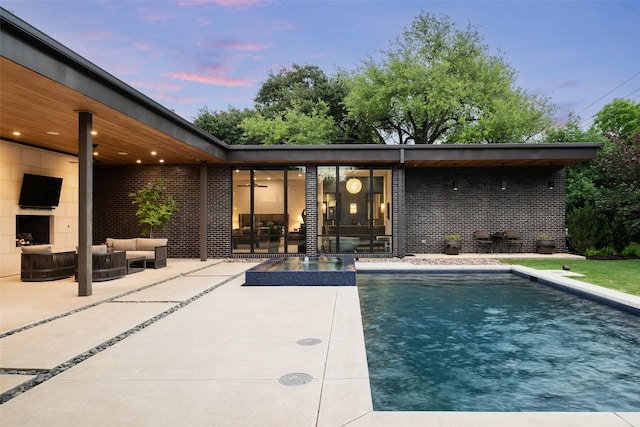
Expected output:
(454, 187)
(503, 184)
(353, 208)
(382, 207)
(550, 184)
(332, 203)
(324, 207)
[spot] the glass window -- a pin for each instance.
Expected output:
(267, 210)
(354, 204)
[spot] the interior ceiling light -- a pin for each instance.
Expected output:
(53, 133)
(138, 161)
(161, 160)
(16, 133)
(354, 185)
(153, 153)
(122, 153)
(94, 133)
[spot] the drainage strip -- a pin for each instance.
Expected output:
(79, 309)
(44, 375)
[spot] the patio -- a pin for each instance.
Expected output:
(189, 345)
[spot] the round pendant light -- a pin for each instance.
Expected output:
(354, 185)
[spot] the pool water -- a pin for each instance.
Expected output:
(495, 342)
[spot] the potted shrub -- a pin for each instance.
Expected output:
(155, 209)
(452, 244)
(545, 244)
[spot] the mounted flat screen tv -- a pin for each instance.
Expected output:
(40, 192)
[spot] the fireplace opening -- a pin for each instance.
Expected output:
(33, 229)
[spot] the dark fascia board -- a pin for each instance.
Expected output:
(400, 154)
(31, 48)
(339, 153)
(497, 153)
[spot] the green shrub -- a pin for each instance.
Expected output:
(619, 235)
(584, 226)
(628, 252)
(590, 252)
(606, 251)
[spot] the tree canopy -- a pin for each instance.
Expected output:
(620, 120)
(609, 186)
(439, 84)
(226, 124)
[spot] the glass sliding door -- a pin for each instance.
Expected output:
(261, 220)
(354, 203)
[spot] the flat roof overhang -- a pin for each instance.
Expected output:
(44, 85)
(476, 155)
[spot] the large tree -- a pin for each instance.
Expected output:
(298, 125)
(299, 90)
(226, 124)
(439, 84)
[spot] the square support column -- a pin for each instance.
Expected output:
(85, 203)
(203, 211)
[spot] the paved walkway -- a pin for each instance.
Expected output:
(188, 345)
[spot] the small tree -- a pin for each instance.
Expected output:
(154, 209)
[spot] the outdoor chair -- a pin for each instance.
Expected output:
(513, 239)
(483, 238)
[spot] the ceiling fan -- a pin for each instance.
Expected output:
(254, 185)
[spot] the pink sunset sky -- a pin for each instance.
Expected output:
(190, 54)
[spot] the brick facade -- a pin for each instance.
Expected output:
(424, 206)
(433, 209)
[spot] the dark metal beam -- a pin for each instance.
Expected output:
(85, 203)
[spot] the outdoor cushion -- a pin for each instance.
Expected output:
(37, 249)
(144, 244)
(123, 244)
(99, 249)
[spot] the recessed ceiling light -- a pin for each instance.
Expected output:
(153, 153)
(53, 133)
(138, 161)
(122, 153)
(93, 132)
(161, 160)
(16, 133)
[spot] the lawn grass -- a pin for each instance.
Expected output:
(621, 275)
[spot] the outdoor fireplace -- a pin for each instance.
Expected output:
(33, 229)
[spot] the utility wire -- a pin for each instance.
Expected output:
(608, 93)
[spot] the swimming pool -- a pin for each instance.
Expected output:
(495, 342)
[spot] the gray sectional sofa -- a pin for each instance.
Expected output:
(154, 250)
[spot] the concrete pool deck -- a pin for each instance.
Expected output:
(188, 345)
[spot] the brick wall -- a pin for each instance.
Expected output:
(430, 209)
(114, 214)
(433, 209)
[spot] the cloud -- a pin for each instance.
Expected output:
(283, 26)
(142, 46)
(154, 15)
(217, 79)
(187, 99)
(235, 45)
(156, 86)
(102, 35)
(221, 3)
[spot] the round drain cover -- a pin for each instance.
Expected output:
(296, 378)
(309, 341)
